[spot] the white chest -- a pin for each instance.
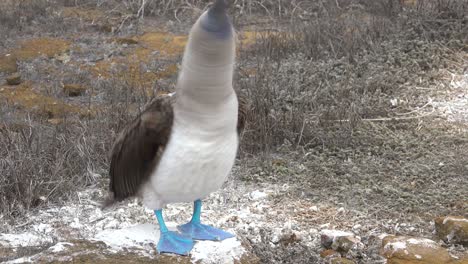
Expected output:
(192, 168)
(195, 162)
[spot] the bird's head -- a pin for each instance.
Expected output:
(209, 56)
(216, 20)
(213, 32)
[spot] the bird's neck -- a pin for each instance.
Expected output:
(204, 83)
(205, 79)
(206, 103)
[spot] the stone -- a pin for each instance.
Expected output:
(8, 63)
(452, 229)
(339, 240)
(14, 79)
(413, 250)
(63, 58)
(346, 243)
(289, 238)
(73, 90)
(327, 236)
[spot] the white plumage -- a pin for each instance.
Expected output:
(204, 140)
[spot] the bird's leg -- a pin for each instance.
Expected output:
(170, 241)
(196, 230)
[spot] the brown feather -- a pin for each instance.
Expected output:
(138, 148)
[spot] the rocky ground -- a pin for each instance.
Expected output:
(388, 187)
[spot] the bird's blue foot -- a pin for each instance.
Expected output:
(172, 242)
(200, 231)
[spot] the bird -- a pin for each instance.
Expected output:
(182, 146)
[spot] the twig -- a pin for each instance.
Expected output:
(302, 133)
(337, 4)
(24, 224)
(123, 22)
(424, 88)
(417, 109)
(388, 118)
(141, 11)
(175, 16)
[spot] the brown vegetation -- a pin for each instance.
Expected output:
(322, 82)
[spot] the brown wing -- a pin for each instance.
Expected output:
(138, 148)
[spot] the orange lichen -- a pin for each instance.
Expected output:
(249, 38)
(166, 43)
(132, 72)
(144, 80)
(169, 45)
(101, 68)
(126, 41)
(27, 99)
(409, 2)
(30, 49)
(97, 18)
(248, 71)
(82, 13)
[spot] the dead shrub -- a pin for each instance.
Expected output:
(30, 17)
(41, 163)
(19, 14)
(313, 85)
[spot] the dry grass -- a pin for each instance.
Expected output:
(41, 163)
(30, 17)
(141, 8)
(329, 68)
(19, 14)
(312, 87)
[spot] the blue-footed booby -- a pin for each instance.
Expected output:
(182, 147)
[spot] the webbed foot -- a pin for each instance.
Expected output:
(172, 242)
(200, 231)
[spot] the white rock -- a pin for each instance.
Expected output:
(61, 246)
(314, 208)
(23, 240)
(257, 195)
(327, 236)
(146, 236)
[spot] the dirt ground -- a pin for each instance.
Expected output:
(369, 136)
